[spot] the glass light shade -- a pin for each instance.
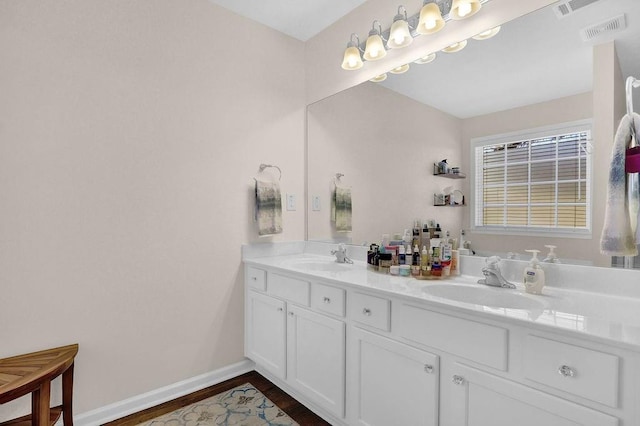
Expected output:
(455, 47)
(462, 9)
(400, 70)
(426, 59)
(374, 48)
(399, 35)
(352, 59)
(487, 34)
(431, 20)
(379, 78)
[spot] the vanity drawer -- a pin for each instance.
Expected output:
(257, 278)
(370, 310)
(583, 372)
(290, 289)
(328, 299)
(482, 343)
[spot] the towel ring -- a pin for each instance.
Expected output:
(264, 166)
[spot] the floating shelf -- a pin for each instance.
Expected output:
(436, 172)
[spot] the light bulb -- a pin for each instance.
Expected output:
(430, 19)
(426, 59)
(400, 70)
(464, 9)
(486, 34)
(352, 59)
(399, 35)
(374, 48)
(455, 47)
(379, 78)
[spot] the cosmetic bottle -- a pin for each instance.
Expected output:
(424, 262)
(425, 236)
(415, 263)
(402, 258)
(416, 233)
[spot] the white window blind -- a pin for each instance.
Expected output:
(534, 181)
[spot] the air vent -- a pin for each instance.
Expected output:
(604, 30)
(566, 8)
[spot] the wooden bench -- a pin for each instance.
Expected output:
(32, 373)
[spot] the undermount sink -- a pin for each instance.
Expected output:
(486, 296)
(320, 266)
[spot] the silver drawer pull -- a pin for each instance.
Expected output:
(428, 368)
(457, 380)
(566, 371)
(327, 300)
(367, 312)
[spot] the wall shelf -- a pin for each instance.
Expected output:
(449, 175)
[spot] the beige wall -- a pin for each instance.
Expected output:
(605, 105)
(385, 144)
(129, 134)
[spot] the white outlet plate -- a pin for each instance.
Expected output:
(291, 202)
(315, 203)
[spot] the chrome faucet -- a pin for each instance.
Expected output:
(341, 254)
(492, 274)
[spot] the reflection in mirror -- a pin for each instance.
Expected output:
(536, 72)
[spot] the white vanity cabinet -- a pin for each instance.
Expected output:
(361, 356)
(391, 383)
(292, 342)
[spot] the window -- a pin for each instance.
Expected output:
(533, 182)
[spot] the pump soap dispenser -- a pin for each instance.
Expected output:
(533, 275)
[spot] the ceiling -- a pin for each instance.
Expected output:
(538, 56)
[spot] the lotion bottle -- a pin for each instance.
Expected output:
(533, 275)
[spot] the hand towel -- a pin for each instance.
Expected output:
(341, 209)
(620, 221)
(268, 208)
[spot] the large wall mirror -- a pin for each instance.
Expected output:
(385, 137)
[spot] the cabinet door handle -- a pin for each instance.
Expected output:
(327, 300)
(566, 371)
(279, 309)
(254, 278)
(457, 380)
(367, 312)
(290, 313)
(428, 368)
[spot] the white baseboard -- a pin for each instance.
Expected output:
(158, 396)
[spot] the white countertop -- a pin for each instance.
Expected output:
(612, 319)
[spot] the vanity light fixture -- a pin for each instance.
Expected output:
(400, 35)
(379, 78)
(487, 34)
(463, 9)
(400, 70)
(374, 48)
(431, 20)
(455, 47)
(425, 59)
(352, 59)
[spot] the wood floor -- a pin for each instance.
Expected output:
(293, 408)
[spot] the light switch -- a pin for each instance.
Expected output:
(291, 202)
(315, 203)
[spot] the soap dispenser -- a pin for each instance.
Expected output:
(533, 275)
(551, 256)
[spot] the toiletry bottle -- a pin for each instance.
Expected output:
(455, 262)
(533, 275)
(402, 259)
(416, 233)
(424, 262)
(415, 264)
(438, 232)
(551, 256)
(407, 237)
(424, 237)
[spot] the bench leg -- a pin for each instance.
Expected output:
(40, 410)
(67, 396)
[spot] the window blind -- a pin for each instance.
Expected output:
(534, 183)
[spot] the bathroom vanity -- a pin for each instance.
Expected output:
(362, 348)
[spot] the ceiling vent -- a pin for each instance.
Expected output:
(604, 30)
(567, 7)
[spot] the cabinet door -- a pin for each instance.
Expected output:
(266, 319)
(474, 398)
(391, 383)
(316, 357)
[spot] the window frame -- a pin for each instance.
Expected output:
(528, 134)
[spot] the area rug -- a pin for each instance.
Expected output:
(240, 406)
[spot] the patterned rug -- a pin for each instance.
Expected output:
(240, 406)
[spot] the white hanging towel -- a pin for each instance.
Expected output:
(621, 214)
